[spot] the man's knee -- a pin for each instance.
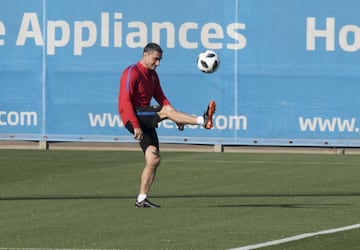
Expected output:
(153, 156)
(166, 112)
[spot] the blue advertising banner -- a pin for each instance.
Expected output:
(288, 75)
(21, 75)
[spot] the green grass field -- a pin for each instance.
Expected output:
(84, 200)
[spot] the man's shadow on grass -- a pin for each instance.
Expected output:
(285, 205)
(185, 196)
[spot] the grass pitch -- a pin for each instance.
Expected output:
(84, 200)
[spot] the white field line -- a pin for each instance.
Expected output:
(297, 237)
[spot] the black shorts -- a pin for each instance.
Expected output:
(148, 119)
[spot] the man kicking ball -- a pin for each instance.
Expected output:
(140, 83)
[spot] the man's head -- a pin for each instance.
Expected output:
(151, 56)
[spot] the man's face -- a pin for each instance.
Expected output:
(152, 59)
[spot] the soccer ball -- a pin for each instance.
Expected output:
(208, 61)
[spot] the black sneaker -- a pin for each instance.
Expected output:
(146, 203)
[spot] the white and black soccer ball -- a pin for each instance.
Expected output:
(208, 61)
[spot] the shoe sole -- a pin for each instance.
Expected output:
(210, 113)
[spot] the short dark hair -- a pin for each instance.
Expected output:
(153, 47)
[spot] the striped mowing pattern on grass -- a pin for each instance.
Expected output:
(80, 200)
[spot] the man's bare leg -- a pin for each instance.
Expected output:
(168, 112)
(177, 116)
(152, 161)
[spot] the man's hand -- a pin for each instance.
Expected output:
(138, 134)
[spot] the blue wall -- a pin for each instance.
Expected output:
(289, 71)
